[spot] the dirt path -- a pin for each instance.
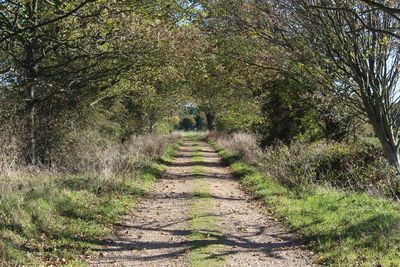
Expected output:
(157, 232)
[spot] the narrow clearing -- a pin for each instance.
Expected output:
(159, 231)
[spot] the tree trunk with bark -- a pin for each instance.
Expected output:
(30, 64)
(384, 132)
(210, 120)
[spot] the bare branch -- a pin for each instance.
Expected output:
(390, 10)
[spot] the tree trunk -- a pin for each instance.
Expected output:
(383, 132)
(30, 64)
(210, 120)
(389, 148)
(31, 129)
(151, 127)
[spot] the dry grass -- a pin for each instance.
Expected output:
(101, 159)
(60, 211)
(242, 144)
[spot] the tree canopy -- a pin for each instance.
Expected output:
(286, 70)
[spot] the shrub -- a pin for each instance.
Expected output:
(349, 166)
(356, 166)
(188, 123)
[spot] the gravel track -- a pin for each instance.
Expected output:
(156, 232)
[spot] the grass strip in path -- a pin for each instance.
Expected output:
(206, 237)
(345, 228)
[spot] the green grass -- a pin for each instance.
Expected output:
(57, 219)
(206, 237)
(345, 228)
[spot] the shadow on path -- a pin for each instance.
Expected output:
(233, 243)
(243, 242)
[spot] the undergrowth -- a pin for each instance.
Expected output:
(345, 227)
(54, 218)
(357, 166)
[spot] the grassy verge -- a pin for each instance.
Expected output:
(205, 235)
(57, 219)
(344, 228)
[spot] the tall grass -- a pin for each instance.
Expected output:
(242, 145)
(54, 213)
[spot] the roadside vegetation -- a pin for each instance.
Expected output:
(57, 217)
(342, 200)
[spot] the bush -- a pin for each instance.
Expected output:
(356, 166)
(188, 123)
(350, 166)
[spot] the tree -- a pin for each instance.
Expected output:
(188, 123)
(154, 85)
(20, 17)
(222, 85)
(61, 57)
(40, 46)
(385, 7)
(201, 121)
(350, 47)
(364, 58)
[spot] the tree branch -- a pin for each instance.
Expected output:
(390, 10)
(46, 22)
